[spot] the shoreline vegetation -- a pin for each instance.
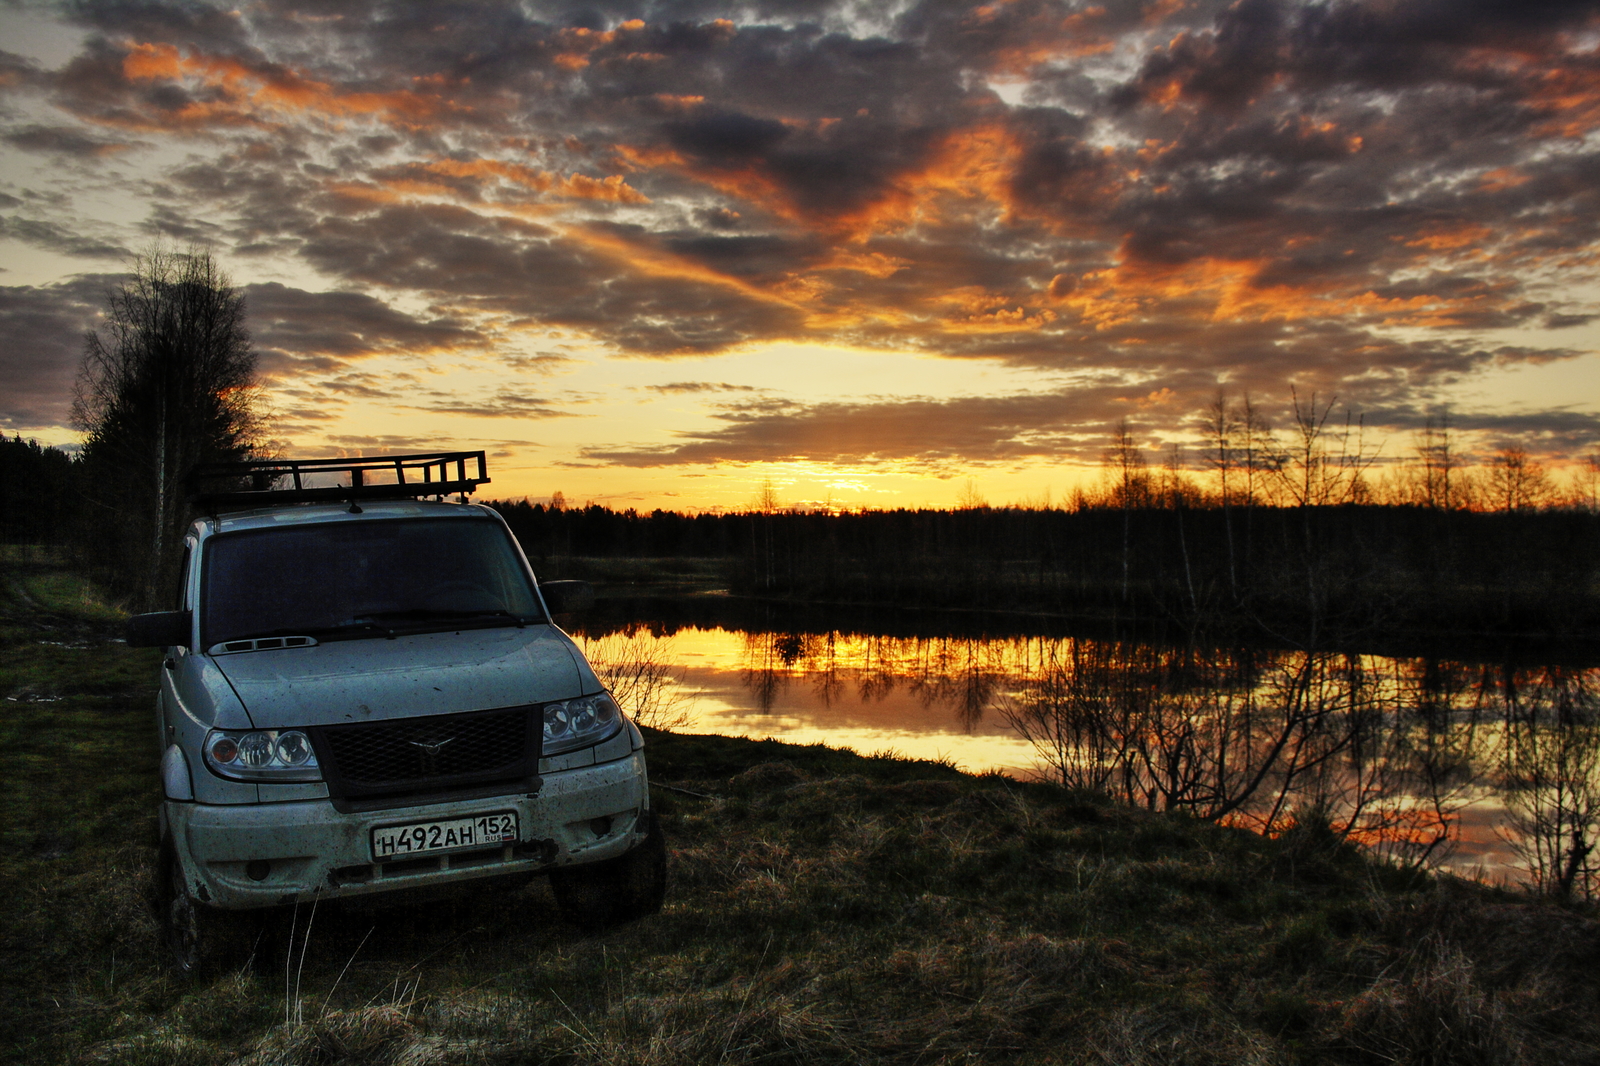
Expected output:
(1354, 578)
(825, 907)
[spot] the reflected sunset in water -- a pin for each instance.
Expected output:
(1412, 756)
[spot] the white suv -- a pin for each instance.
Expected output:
(364, 692)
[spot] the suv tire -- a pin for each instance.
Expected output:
(626, 888)
(200, 941)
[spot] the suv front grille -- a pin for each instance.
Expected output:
(433, 754)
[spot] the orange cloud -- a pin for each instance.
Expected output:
(669, 102)
(1502, 178)
(1228, 290)
(362, 192)
(578, 186)
(657, 262)
(613, 189)
(579, 43)
(970, 171)
(1450, 238)
(428, 180)
(975, 310)
(635, 158)
(1046, 38)
(245, 90)
(872, 264)
(1571, 96)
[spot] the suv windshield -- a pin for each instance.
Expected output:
(363, 577)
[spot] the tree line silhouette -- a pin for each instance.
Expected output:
(1307, 576)
(1300, 537)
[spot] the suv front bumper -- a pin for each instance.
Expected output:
(272, 854)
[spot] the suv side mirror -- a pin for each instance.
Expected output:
(159, 629)
(563, 597)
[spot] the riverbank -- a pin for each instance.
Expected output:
(1324, 577)
(825, 907)
(679, 592)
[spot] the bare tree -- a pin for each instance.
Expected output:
(1441, 486)
(1324, 466)
(1551, 782)
(1222, 428)
(1179, 494)
(765, 504)
(1586, 484)
(638, 670)
(1262, 454)
(168, 382)
(1118, 719)
(969, 498)
(1130, 484)
(1517, 482)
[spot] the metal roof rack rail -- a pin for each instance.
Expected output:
(377, 477)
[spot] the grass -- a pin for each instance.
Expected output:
(825, 907)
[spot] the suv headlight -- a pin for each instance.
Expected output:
(262, 755)
(578, 723)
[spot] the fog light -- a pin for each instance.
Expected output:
(258, 869)
(600, 826)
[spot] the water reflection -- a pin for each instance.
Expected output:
(1489, 770)
(946, 673)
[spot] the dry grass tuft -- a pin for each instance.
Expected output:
(766, 777)
(1434, 1014)
(364, 1036)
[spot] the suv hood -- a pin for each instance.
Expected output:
(420, 674)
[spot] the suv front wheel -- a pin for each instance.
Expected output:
(618, 891)
(200, 940)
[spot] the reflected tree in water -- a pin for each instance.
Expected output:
(1260, 744)
(1550, 779)
(1386, 751)
(638, 669)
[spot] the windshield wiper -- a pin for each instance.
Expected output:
(427, 614)
(312, 631)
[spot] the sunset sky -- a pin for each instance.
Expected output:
(651, 254)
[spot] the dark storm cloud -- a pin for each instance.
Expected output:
(296, 331)
(539, 362)
(193, 24)
(43, 329)
(1371, 45)
(1559, 430)
(1064, 426)
(63, 140)
(58, 238)
(173, 223)
(503, 403)
(1341, 195)
(679, 388)
(20, 72)
(929, 432)
(593, 284)
(391, 444)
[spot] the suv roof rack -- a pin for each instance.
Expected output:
(377, 477)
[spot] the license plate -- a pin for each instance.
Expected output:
(420, 838)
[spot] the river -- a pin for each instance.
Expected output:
(1486, 770)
